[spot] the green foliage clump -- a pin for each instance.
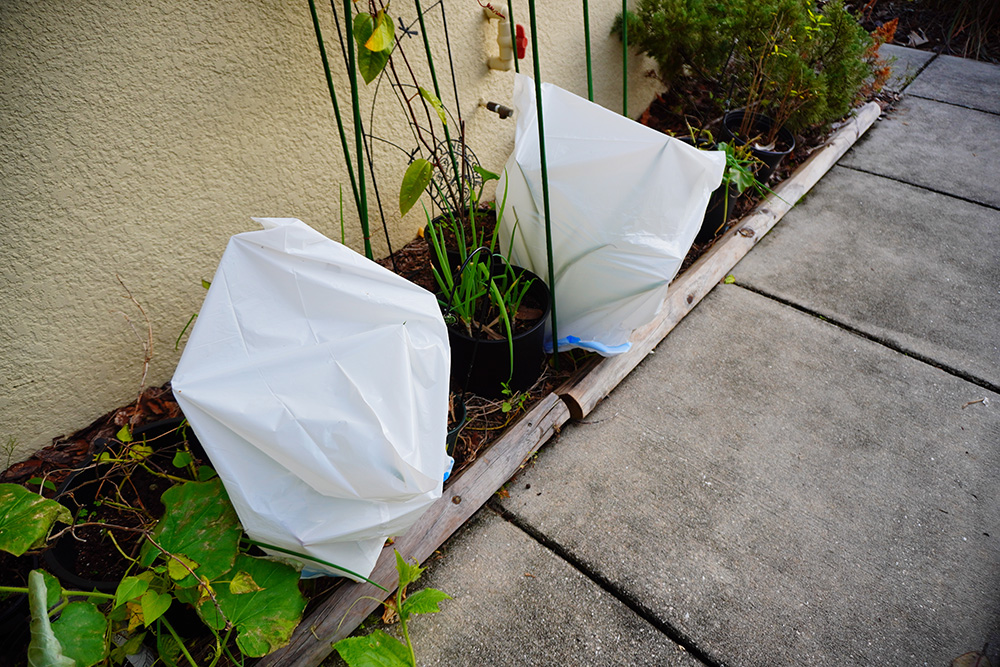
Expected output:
(800, 62)
(678, 33)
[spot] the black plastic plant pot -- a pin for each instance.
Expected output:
(15, 615)
(486, 363)
(452, 437)
(760, 125)
(61, 558)
(717, 213)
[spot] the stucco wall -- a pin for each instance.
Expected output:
(137, 138)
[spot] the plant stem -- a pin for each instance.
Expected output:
(402, 625)
(513, 38)
(177, 639)
(18, 589)
(437, 91)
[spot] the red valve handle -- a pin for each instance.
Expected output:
(521, 41)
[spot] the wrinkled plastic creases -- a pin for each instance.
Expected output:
(625, 203)
(317, 381)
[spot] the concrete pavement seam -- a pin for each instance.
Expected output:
(968, 377)
(674, 634)
(954, 104)
(919, 186)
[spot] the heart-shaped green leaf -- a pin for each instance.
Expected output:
(182, 459)
(383, 34)
(485, 174)
(26, 517)
(180, 566)
(242, 583)
(264, 619)
(415, 181)
(130, 588)
(370, 63)
(80, 629)
(423, 602)
(376, 650)
(200, 525)
(154, 605)
(140, 452)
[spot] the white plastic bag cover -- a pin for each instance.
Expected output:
(317, 381)
(625, 205)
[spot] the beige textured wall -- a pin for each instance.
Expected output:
(138, 137)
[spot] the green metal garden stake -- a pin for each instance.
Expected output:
(437, 92)
(545, 177)
(625, 58)
(352, 71)
(586, 37)
(513, 34)
(336, 107)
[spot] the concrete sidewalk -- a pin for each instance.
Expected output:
(804, 473)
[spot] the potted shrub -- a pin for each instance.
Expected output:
(780, 66)
(116, 497)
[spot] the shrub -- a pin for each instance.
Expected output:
(798, 63)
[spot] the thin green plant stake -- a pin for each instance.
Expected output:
(336, 109)
(545, 176)
(352, 70)
(586, 38)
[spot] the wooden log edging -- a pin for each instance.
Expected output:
(345, 609)
(685, 292)
(341, 614)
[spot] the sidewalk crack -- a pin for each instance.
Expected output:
(926, 188)
(673, 633)
(954, 104)
(884, 342)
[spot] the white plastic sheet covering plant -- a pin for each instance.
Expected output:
(626, 202)
(317, 381)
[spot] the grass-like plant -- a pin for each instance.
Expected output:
(476, 296)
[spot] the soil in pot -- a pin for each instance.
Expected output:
(112, 495)
(717, 213)
(486, 222)
(481, 365)
(14, 612)
(760, 127)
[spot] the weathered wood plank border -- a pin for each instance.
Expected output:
(345, 609)
(703, 275)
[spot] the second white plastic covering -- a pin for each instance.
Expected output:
(626, 202)
(317, 381)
